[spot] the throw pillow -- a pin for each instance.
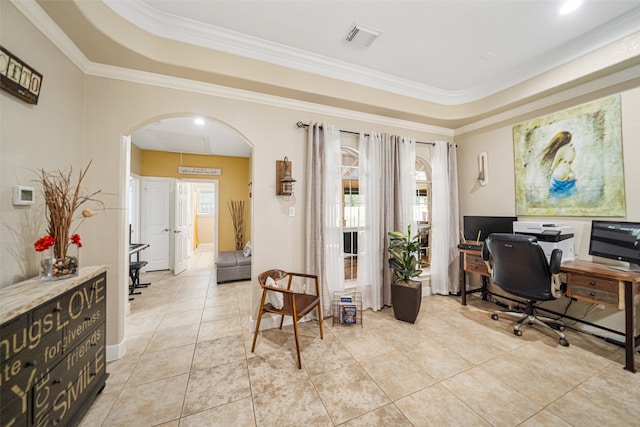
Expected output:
(275, 298)
(246, 251)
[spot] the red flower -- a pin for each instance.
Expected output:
(44, 243)
(75, 239)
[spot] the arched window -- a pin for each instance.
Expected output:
(423, 206)
(352, 211)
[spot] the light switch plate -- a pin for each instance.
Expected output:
(292, 211)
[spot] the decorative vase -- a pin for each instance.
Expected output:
(52, 268)
(45, 264)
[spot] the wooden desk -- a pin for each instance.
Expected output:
(586, 281)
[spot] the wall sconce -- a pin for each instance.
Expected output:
(284, 181)
(483, 168)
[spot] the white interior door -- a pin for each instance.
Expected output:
(156, 222)
(181, 227)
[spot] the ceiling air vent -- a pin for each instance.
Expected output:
(362, 36)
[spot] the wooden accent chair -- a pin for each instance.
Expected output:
(294, 304)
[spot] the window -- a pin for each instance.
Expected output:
(352, 212)
(206, 202)
(423, 206)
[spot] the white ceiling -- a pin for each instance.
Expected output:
(182, 135)
(443, 51)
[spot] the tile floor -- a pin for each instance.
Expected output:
(188, 363)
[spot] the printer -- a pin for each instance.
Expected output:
(550, 236)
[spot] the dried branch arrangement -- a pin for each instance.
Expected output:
(236, 208)
(62, 200)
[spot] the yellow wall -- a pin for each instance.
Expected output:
(136, 160)
(233, 183)
(205, 228)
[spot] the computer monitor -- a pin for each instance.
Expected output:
(479, 227)
(618, 240)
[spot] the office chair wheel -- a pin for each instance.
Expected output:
(563, 342)
(517, 332)
(557, 326)
(494, 316)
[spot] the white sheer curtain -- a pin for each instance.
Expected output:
(446, 227)
(387, 187)
(407, 194)
(323, 220)
(370, 240)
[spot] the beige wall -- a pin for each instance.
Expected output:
(123, 107)
(47, 136)
(136, 160)
(498, 196)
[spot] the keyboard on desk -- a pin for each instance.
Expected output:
(470, 246)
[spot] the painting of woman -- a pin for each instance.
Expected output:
(560, 153)
(569, 163)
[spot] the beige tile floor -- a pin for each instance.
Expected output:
(188, 363)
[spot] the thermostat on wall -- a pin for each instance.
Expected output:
(23, 195)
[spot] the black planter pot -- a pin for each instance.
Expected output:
(406, 300)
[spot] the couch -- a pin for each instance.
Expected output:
(233, 266)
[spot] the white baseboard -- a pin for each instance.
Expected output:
(115, 352)
(425, 279)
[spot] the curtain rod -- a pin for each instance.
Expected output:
(304, 125)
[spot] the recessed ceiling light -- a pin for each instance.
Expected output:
(569, 6)
(199, 121)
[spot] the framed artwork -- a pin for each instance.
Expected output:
(19, 79)
(570, 163)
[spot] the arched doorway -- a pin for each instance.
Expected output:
(210, 158)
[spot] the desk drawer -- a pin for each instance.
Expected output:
(475, 264)
(594, 289)
(595, 295)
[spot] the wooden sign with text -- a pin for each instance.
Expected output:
(18, 78)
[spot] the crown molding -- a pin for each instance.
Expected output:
(50, 29)
(43, 22)
(208, 36)
(177, 28)
(594, 86)
(159, 80)
(33, 12)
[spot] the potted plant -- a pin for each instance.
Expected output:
(406, 293)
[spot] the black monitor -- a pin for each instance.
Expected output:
(616, 240)
(479, 227)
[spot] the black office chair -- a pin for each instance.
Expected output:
(517, 264)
